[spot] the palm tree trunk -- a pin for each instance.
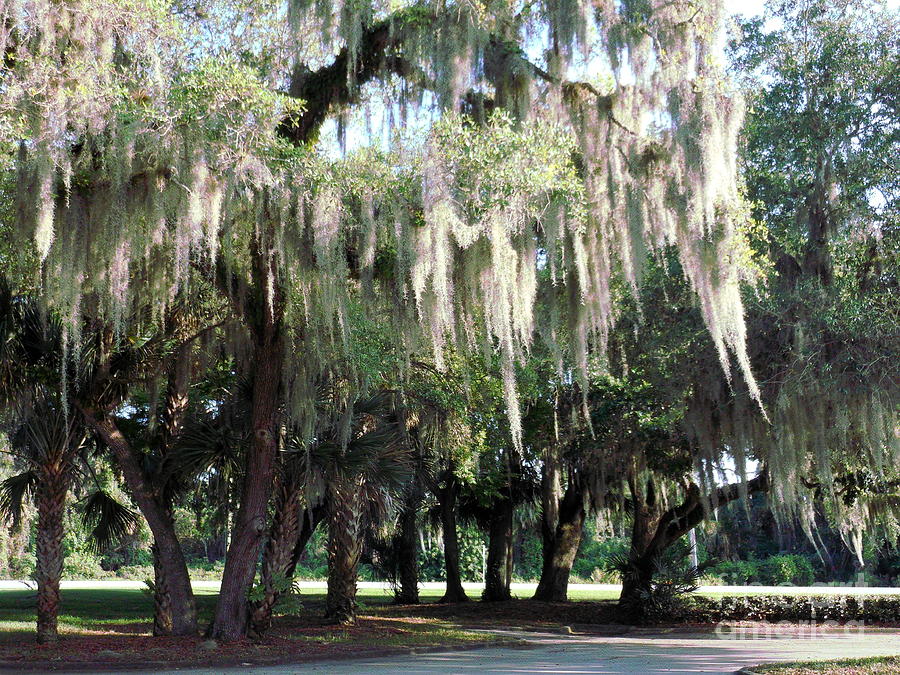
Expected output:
(290, 532)
(174, 411)
(344, 549)
(162, 597)
(51, 504)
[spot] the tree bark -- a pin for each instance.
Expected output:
(261, 309)
(174, 411)
(233, 610)
(291, 529)
(162, 596)
(497, 569)
(171, 557)
(654, 530)
(560, 543)
(52, 489)
(406, 549)
(344, 549)
(447, 500)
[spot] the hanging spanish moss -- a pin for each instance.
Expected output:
(131, 182)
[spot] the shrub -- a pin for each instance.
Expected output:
(595, 556)
(838, 608)
(786, 570)
(737, 572)
(83, 565)
(22, 566)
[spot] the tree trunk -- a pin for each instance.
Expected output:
(560, 544)
(497, 577)
(51, 504)
(406, 550)
(289, 534)
(233, 610)
(637, 580)
(654, 530)
(344, 549)
(162, 597)
(171, 557)
(174, 411)
(447, 498)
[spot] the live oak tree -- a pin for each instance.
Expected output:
(823, 337)
(156, 143)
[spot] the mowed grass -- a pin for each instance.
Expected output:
(86, 610)
(878, 665)
(130, 610)
(92, 610)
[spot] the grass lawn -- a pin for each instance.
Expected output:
(110, 629)
(880, 665)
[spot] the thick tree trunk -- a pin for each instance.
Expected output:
(447, 498)
(406, 549)
(344, 549)
(637, 580)
(170, 555)
(560, 544)
(232, 613)
(497, 572)
(654, 530)
(51, 504)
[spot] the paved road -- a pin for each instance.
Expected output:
(644, 654)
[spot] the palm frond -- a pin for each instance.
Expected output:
(110, 519)
(14, 491)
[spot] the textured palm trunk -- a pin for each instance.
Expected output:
(406, 549)
(163, 621)
(447, 498)
(561, 540)
(344, 549)
(497, 567)
(289, 534)
(170, 556)
(51, 504)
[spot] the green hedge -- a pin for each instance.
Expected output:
(839, 608)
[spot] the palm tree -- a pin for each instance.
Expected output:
(52, 446)
(48, 443)
(361, 475)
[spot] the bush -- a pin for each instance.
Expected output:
(594, 557)
(135, 572)
(83, 565)
(530, 561)
(838, 608)
(737, 572)
(776, 570)
(22, 567)
(780, 570)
